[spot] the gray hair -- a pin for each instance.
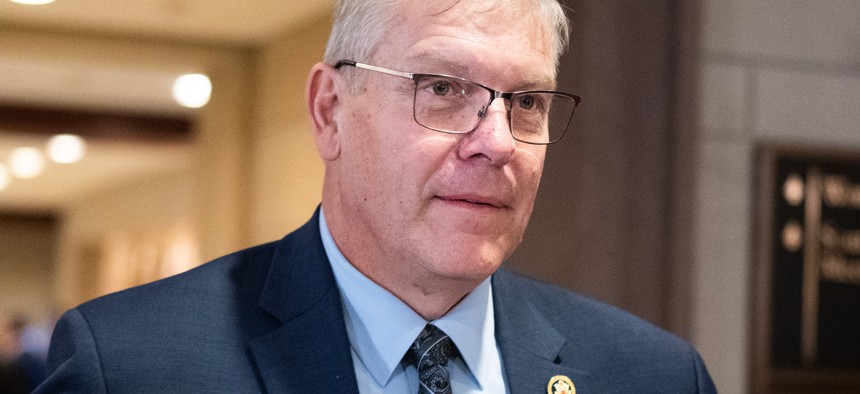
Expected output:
(360, 25)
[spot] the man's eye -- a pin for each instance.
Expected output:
(526, 102)
(441, 88)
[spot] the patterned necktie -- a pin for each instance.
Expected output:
(429, 354)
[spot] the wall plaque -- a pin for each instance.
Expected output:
(806, 315)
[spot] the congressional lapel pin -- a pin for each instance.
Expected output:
(560, 384)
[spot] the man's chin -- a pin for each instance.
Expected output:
(467, 266)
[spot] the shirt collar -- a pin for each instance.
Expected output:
(381, 327)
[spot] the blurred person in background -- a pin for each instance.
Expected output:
(23, 356)
(11, 376)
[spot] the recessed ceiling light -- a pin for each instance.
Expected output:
(192, 90)
(4, 177)
(26, 163)
(33, 2)
(66, 148)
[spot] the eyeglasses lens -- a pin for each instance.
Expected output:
(454, 105)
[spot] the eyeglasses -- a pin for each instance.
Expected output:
(456, 105)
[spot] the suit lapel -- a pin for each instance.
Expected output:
(306, 355)
(310, 351)
(529, 344)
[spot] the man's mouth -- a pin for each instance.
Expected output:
(473, 200)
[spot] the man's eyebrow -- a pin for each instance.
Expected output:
(459, 69)
(451, 67)
(544, 83)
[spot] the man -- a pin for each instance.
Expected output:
(431, 173)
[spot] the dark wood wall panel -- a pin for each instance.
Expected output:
(616, 191)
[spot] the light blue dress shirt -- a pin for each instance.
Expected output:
(381, 328)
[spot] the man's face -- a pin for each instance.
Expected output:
(417, 203)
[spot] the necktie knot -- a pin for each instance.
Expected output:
(430, 354)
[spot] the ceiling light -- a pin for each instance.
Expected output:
(192, 90)
(66, 148)
(33, 2)
(4, 177)
(26, 163)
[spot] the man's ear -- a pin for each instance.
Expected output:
(321, 94)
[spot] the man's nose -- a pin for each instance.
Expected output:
(492, 138)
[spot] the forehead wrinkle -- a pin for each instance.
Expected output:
(487, 16)
(479, 22)
(438, 8)
(490, 17)
(475, 22)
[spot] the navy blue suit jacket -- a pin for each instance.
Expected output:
(269, 319)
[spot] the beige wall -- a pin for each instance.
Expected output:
(252, 174)
(772, 71)
(127, 235)
(222, 127)
(286, 173)
(26, 265)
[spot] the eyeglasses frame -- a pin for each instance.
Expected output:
(508, 96)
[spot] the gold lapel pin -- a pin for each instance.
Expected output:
(560, 384)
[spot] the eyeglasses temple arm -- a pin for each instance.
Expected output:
(383, 70)
(342, 63)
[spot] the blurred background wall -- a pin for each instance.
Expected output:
(647, 204)
(771, 72)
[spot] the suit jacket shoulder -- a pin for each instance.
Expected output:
(600, 347)
(147, 338)
(265, 319)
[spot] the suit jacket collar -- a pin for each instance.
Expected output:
(530, 345)
(309, 351)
